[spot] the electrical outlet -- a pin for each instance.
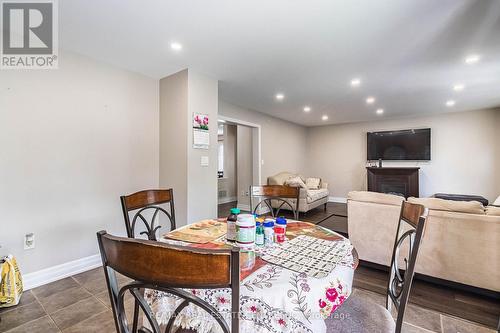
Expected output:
(29, 241)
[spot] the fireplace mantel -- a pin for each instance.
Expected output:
(394, 180)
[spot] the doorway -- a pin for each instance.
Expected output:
(238, 164)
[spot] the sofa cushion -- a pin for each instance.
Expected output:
(313, 195)
(313, 183)
(375, 197)
(493, 211)
(469, 207)
(295, 181)
(280, 178)
(497, 201)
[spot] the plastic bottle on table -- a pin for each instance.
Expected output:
(259, 234)
(231, 224)
(280, 229)
(245, 231)
(268, 232)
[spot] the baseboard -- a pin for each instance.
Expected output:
(227, 200)
(243, 207)
(337, 199)
(54, 273)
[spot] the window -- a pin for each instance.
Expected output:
(220, 156)
(220, 168)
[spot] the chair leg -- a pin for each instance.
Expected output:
(136, 317)
(324, 208)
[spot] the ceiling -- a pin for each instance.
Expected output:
(408, 54)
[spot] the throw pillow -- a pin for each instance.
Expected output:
(313, 183)
(295, 181)
(497, 202)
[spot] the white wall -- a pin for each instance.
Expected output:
(72, 141)
(464, 153)
(173, 139)
(497, 144)
(203, 97)
(283, 143)
(195, 186)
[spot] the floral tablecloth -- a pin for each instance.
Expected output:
(273, 298)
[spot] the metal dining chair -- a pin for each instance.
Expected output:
(148, 201)
(275, 198)
(359, 315)
(167, 268)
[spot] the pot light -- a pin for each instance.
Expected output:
(450, 103)
(458, 87)
(472, 59)
(280, 96)
(355, 82)
(325, 117)
(379, 111)
(176, 46)
(307, 108)
(370, 100)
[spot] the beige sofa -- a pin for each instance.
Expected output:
(308, 199)
(461, 242)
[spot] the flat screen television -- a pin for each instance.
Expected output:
(409, 145)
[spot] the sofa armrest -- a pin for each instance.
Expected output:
(324, 185)
(302, 193)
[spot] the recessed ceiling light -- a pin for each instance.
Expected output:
(459, 87)
(450, 103)
(307, 108)
(325, 117)
(472, 59)
(176, 46)
(380, 111)
(355, 82)
(370, 100)
(280, 96)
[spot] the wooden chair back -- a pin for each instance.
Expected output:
(167, 268)
(275, 193)
(409, 234)
(148, 201)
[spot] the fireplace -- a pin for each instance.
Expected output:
(398, 181)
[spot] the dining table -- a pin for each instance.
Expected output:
(273, 298)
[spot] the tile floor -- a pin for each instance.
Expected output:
(80, 304)
(74, 304)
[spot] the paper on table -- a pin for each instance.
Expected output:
(305, 254)
(200, 232)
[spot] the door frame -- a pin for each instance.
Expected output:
(256, 145)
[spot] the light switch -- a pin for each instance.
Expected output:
(204, 161)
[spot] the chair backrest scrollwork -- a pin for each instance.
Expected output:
(170, 269)
(148, 201)
(409, 235)
(287, 198)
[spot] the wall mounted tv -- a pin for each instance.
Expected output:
(409, 145)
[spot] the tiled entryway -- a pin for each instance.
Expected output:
(80, 304)
(75, 304)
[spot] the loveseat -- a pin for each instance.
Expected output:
(308, 198)
(461, 241)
